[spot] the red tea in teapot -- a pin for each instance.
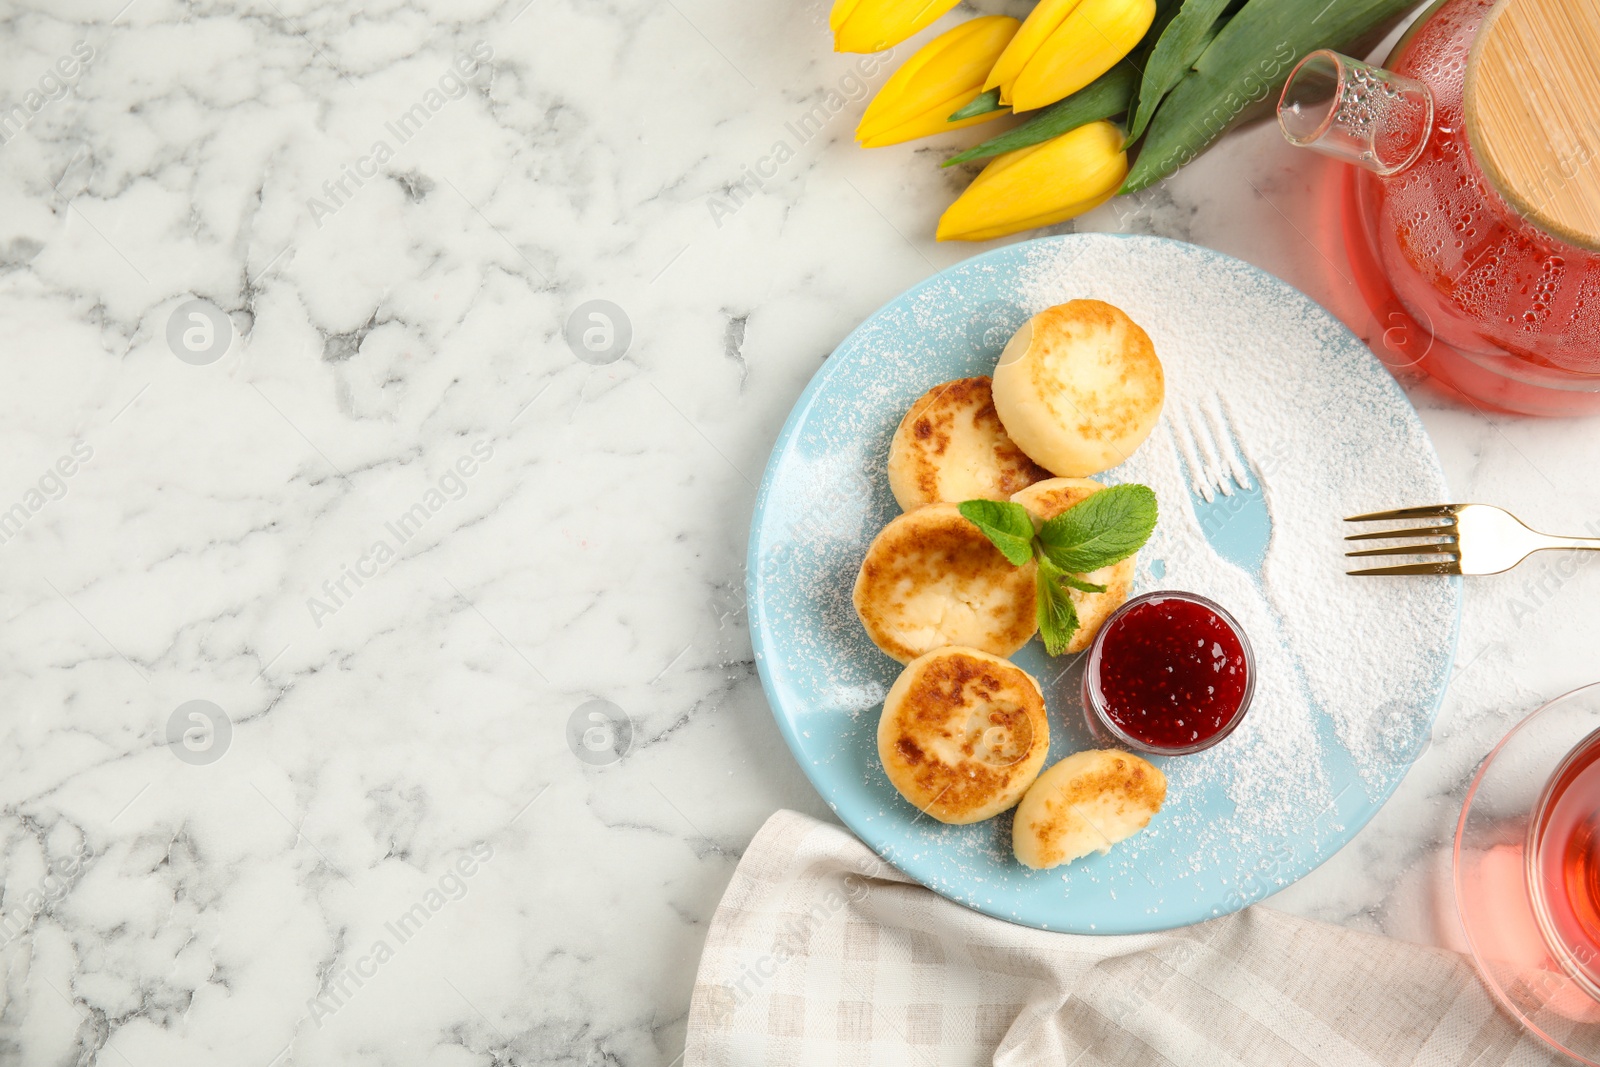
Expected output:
(1474, 227)
(1456, 252)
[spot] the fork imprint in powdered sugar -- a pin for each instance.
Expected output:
(1227, 497)
(1205, 440)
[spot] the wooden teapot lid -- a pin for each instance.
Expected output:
(1532, 99)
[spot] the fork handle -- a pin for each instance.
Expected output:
(1589, 544)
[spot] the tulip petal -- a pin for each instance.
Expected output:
(942, 77)
(1036, 29)
(1039, 185)
(873, 25)
(1034, 222)
(934, 121)
(1093, 38)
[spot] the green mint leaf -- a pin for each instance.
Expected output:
(1008, 525)
(1058, 618)
(1100, 530)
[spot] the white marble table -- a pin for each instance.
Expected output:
(395, 534)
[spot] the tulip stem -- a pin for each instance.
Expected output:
(981, 104)
(1102, 98)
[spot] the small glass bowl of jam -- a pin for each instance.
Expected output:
(1169, 673)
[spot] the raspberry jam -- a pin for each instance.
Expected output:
(1169, 673)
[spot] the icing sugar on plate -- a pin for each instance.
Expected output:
(1349, 671)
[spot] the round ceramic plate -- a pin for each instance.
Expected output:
(1278, 423)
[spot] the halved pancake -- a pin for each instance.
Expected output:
(951, 447)
(1086, 803)
(1079, 387)
(932, 579)
(1046, 500)
(963, 734)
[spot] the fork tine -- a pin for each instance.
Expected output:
(1426, 531)
(1430, 549)
(1443, 567)
(1433, 511)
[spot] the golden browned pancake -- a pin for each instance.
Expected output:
(1079, 387)
(951, 447)
(1050, 498)
(963, 734)
(1086, 803)
(932, 579)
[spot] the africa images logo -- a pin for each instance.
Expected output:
(199, 732)
(599, 733)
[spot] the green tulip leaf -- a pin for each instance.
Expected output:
(1244, 66)
(1180, 44)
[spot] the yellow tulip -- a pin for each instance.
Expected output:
(1040, 185)
(1064, 45)
(873, 25)
(944, 76)
(1040, 24)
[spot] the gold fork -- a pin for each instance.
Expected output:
(1479, 538)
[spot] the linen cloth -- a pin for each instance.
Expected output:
(822, 954)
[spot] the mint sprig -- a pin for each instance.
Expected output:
(1096, 532)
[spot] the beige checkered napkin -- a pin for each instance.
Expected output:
(820, 954)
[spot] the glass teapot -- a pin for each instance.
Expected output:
(1472, 216)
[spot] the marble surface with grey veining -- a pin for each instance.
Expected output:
(384, 391)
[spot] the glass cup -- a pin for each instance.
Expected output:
(1523, 864)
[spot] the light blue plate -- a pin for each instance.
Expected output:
(1350, 672)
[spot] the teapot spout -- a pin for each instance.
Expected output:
(1356, 112)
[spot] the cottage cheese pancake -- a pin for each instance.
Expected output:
(932, 579)
(1086, 803)
(1079, 387)
(963, 734)
(951, 447)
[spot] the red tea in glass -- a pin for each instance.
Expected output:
(1563, 857)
